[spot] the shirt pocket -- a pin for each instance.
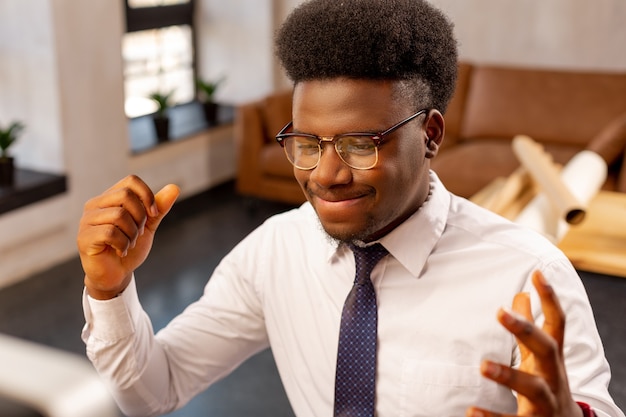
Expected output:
(438, 389)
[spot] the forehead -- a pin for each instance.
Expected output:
(347, 104)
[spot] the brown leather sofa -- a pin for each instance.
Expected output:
(565, 111)
(263, 170)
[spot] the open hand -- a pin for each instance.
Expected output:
(116, 233)
(541, 381)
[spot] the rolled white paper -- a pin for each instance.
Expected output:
(583, 175)
(545, 172)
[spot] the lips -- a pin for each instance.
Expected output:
(335, 197)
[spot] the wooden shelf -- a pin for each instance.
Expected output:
(186, 120)
(30, 187)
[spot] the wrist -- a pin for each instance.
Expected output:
(102, 295)
(99, 293)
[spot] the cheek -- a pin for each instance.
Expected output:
(405, 164)
(413, 149)
(400, 184)
(301, 176)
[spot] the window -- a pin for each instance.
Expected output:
(158, 53)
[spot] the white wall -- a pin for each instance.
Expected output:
(577, 34)
(28, 82)
(235, 39)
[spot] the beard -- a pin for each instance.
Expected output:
(350, 236)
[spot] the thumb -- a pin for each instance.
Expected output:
(164, 200)
(521, 305)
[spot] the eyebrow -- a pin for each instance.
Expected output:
(367, 132)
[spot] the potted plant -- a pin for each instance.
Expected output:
(207, 91)
(8, 136)
(161, 117)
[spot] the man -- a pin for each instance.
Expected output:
(371, 81)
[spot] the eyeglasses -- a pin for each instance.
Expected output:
(357, 150)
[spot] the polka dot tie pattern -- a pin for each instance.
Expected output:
(355, 380)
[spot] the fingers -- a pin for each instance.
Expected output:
(164, 200)
(521, 305)
(479, 412)
(116, 218)
(537, 341)
(131, 194)
(554, 323)
(140, 189)
(99, 238)
(545, 343)
(540, 381)
(534, 387)
(119, 216)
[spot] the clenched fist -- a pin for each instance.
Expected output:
(116, 233)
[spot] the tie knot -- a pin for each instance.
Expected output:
(366, 259)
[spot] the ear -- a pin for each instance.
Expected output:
(435, 130)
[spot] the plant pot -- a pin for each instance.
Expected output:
(162, 128)
(7, 171)
(210, 112)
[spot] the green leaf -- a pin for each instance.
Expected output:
(208, 88)
(9, 135)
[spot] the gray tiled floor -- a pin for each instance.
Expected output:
(190, 242)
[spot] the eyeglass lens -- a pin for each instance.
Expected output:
(358, 152)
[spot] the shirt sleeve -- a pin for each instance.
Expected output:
(587, 368)
(120, 344)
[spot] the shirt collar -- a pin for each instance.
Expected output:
(411, 242)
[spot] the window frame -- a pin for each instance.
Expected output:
(158, 17)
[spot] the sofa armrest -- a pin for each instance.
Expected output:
(610, 143)
(249, 132)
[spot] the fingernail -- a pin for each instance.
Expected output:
(544, 282)
(154, 211)
(124, 253)
(490, 369)
(509, 316)
(475, 413)
(541, 279)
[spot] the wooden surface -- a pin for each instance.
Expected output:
(598, 244)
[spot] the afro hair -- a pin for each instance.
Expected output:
(405, 40)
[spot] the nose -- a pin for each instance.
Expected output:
(330, 170)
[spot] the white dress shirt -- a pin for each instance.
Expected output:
(452, 265)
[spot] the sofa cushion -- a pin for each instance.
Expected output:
(469, 166)
(273, 162)
(456, 107)
(550, 106)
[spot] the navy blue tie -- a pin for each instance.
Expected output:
(355, 380)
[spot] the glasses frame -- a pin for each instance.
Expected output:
(377, 138)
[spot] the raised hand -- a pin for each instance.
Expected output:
(116, 233)
(541, 381)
